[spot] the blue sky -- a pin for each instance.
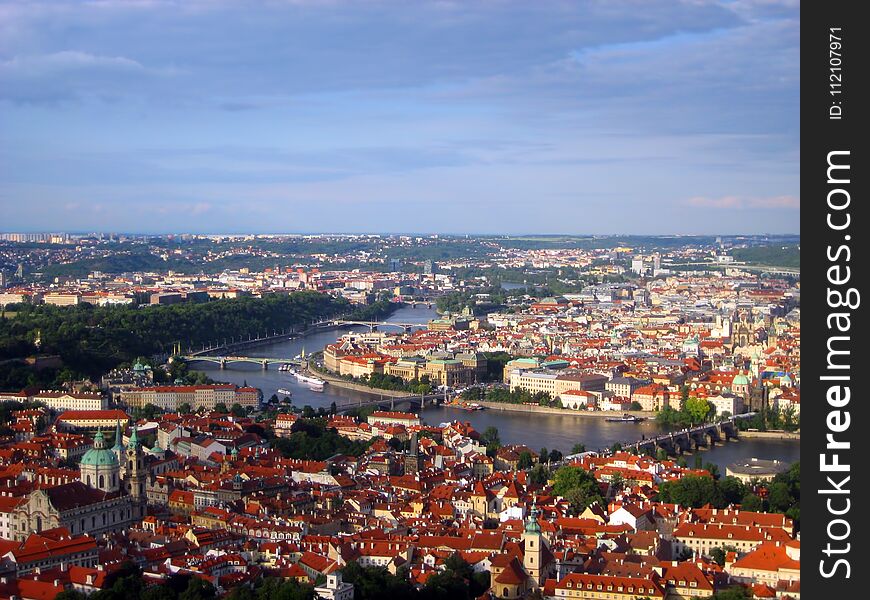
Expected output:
(611, 116)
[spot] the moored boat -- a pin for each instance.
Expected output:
(626, 418)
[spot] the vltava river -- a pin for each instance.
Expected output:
(535, 430)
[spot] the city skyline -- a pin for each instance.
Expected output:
(479, 119)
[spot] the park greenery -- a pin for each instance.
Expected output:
(91, 340)
(578, 487)
(774, 256)
(311, 439)
(781, 495)
(383, 381)
(517, 396)
(693, 412)
(491, 439)
(769, 419)
(457, 581)
(127, 583)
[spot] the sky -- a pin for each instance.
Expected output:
(232, 116)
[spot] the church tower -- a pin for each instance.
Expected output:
(413, 461)
(533, 549)
(134, 475)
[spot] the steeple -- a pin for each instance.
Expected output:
(134, 439)
(99, 440)
(119, 437)
(534, 555)
(532, 525)
(134, 474)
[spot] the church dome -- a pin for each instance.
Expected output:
(740, 379)
(99, 455)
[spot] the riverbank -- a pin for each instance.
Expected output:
(771, 435)
(546, 410)
(289, 336)
(357, 387)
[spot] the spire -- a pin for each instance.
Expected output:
(119, 439)
(134, 438)
(99, 439)
(532, 525)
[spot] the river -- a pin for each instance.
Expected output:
(535, 430)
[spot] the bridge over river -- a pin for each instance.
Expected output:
(691, 439)
(410, 402)
(225, 361)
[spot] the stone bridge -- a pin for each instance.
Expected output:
(699, 437)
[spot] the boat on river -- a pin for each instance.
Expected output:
(626, 418)
(314, 384)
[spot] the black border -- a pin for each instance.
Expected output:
(820, 135)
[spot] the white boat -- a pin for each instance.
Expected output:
(285, 391)
(313, 383)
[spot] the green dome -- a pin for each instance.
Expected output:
(740, 380)
(99, 455)
(100, 458)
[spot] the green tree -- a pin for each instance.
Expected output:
(241, 592)
(544, 456)
(692, 491)
(698, 409)
(737, 592)
(578, 448)
(525, 460)
(198, 589)
(617, 482)
(733, 489)
(779, 498)
(539, 474)
(71, 595)
(237, 410)
(491, 440)
(220, 407)
(160, 592)
(184, 408)
(719, 554)
(578, 486)
(751, 503)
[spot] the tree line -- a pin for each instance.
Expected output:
(91, 340)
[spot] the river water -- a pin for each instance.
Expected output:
(534, 430)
